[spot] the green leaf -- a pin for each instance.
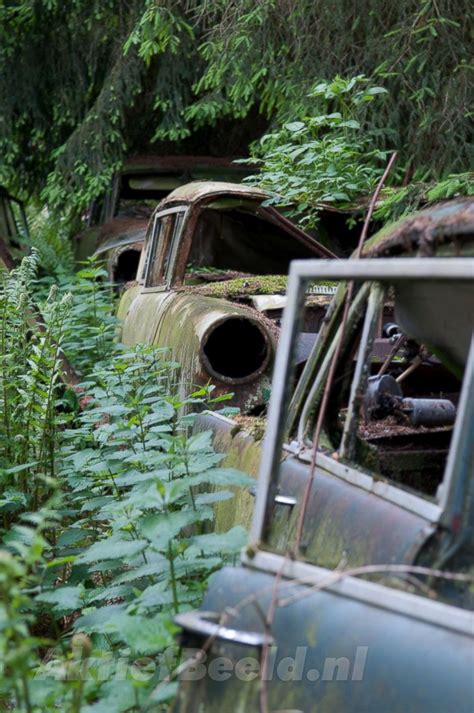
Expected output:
(295, 126)
(72, 536)
(162, 528)
(63, 598)
(223, 476)
(106, 620)
(146, 635)
(111, 549)
(230, 542)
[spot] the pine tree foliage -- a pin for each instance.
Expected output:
(82, 83)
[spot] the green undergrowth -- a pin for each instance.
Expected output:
(106, 501)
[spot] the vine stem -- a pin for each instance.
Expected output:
(173, 578)
(335, 359)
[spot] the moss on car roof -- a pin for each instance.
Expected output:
(246, 287)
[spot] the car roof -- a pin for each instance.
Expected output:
(199, 190)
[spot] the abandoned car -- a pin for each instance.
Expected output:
(116, 225)
(211, 285)
(445, 230)
(386, 491)
(13, 228)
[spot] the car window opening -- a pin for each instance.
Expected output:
(242, 241)
(408, 429)
(405, 420)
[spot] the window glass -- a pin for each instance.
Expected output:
(162, 247)
(169, 258)
(150, 248)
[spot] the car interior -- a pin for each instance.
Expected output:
(406, 411)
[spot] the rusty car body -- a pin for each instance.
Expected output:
(13, 228)
(116, 225)
(209, 287)
(390, 488)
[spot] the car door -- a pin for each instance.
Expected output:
(142, 308)
(373, 490)
(281, 633)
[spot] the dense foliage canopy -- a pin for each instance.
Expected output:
(85, 82)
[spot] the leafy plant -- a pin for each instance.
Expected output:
(30, 372)
(218, 73)
(20, 644)
(329, 157)
(90, 326)
(90, 323)
(132, 548)
(397, 202)
(50, 238)
(107, 517)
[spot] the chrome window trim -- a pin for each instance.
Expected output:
(454, 488)
(147, 267)
(175, 241)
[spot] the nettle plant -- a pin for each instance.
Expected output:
(90, 324)
(30, 380)
(107, 511)
(137, 546)
(329, 157)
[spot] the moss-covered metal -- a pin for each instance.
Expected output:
(446, 229)
(241, 444)
(179, 322)
(251, 285)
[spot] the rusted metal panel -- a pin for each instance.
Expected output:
(239, 440)
(344, 522)
(182, 322)
(446, 227)
(197, 191)
(330, 652)
(439, 315)
(120, 230)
